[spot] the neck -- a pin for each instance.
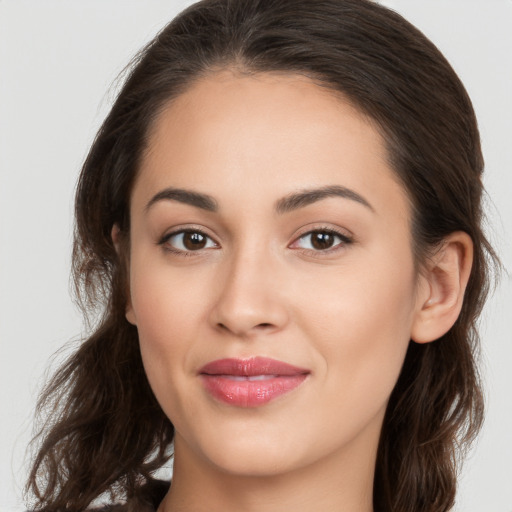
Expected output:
(341, 482)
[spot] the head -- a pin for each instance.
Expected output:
(373, 113)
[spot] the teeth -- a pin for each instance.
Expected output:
(251, 377)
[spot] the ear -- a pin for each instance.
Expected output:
(117, 240)
(441, 292)
(115, 234)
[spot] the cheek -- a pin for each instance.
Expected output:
(166, 312)
(362, 329)
(167, 316)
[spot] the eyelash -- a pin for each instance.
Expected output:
(344, 240)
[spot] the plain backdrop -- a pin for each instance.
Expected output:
(58, 59)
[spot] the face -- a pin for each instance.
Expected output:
(272, 279)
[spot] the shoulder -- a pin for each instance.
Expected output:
(147, 500)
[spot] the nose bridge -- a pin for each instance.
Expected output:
(248, 299)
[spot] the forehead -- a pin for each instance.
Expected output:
(292, 108)
(263, 135)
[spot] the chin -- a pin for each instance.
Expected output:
(253, 461)
(251, 451)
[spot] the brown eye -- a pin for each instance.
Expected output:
(322, 240)
(193, 240)
(187, 240)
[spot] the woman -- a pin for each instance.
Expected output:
(281, 220)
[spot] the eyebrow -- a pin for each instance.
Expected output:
(305, 197)
(203, 201)
(291, 202)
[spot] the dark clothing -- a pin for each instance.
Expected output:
(148, 500)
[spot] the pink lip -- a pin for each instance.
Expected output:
(250, 382)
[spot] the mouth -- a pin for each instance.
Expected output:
(250, 382)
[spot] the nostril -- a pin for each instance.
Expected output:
(263, 325)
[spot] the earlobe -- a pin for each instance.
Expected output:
(130, 315)
(445, 279)
(115, 234)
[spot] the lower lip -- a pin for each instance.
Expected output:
(250, 393)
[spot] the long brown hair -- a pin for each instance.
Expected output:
(105, 431)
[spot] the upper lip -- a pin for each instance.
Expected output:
(250, 367)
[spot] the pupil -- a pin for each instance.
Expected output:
(322, 240)
(194, 240)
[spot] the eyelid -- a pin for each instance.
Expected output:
(345, 239)
(181, 230)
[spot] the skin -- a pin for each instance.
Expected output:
(260, 288)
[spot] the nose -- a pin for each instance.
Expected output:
(251, 296)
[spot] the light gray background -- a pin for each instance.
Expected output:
(57, 62)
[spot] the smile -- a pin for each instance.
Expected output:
(240, 378)
(250, 382)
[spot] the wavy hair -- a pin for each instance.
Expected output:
(104, 430)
